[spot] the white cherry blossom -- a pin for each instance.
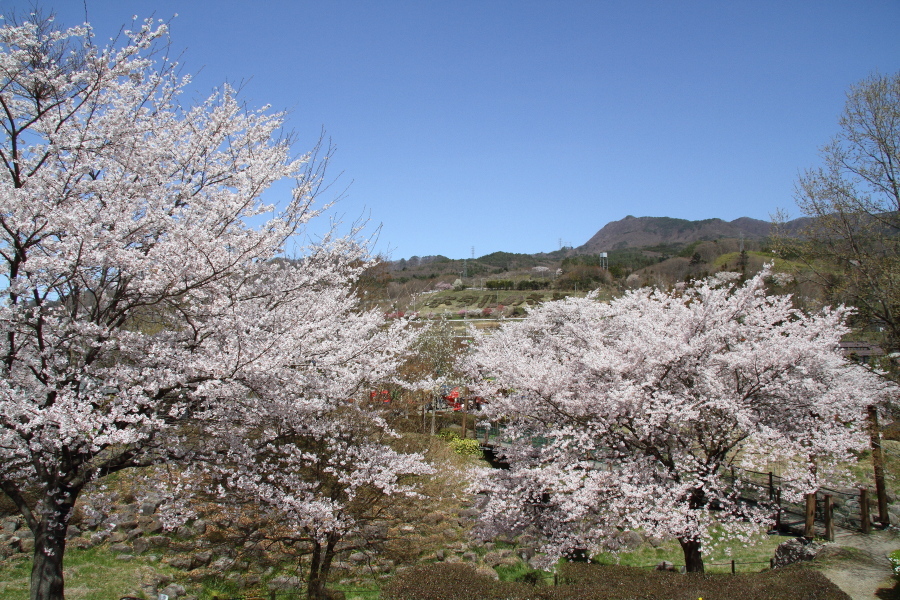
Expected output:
(646, 401)
(142, 314)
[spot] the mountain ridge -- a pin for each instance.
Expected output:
(636, 232)
(641, 232)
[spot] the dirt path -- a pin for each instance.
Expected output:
(861, 567)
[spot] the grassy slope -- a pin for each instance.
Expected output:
(731, 260)
(93, 574)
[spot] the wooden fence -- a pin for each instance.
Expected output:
(846, 508)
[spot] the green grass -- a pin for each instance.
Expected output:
(519, 572)
(755, 557)
(730, 261)
(218, 587)
(95, 574)
(92, 574)
(894, 557)
(863, 471)
(370, 591)
(14, 574)
(716, 558)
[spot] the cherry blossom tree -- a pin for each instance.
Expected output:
(646, 401)
(316, 484)
(143, 314)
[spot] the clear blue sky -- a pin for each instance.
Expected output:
(507, 125)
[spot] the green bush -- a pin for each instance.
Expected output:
(523, 573)
(532, 284)
(500, 284)
(467, 446)
(894, 557)
(458, 444)
(448, 435)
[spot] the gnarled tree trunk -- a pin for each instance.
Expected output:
(693, 559)
(47, 569)
(48, 521)
(320, 566)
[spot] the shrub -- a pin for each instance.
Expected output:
(531, 284)
(448, 435)
(465, 446)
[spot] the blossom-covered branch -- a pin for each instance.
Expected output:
(646, 400)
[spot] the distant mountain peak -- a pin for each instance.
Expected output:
(636, 232)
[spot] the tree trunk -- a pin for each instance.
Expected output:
(315, 587)
(693, 559)
(47, 569)
(325, 569)
(320, 566)
(47, 519)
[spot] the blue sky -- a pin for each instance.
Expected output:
(509, 125)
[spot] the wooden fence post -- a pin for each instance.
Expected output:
(771, 486)
(778, 510)
(732, 566)
(809, 529)
(829, 518)
(878, 466)
(864, 510)
(465, 419)
(433, 408)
